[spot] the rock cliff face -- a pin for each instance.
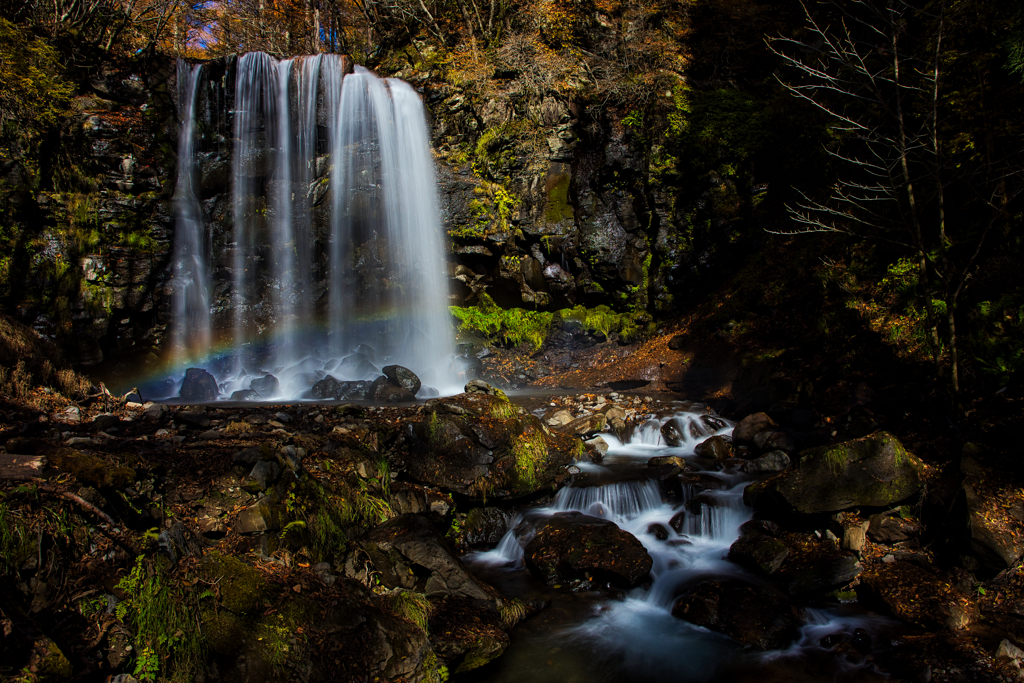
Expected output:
(91, 263)
(546, 205)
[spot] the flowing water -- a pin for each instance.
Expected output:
(191, 281)
(592, 636)
(334, 263)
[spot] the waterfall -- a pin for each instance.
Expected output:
(191, 281)
(255, 110)
(335, 260)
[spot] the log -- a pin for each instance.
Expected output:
(21, 467)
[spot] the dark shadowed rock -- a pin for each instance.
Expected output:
(750, 426)
(676, 343)
(890, 529)
(199, 385)
(193, 418)
(245, 395)
(402, 377)
(265, 386)
(758, 550)
(486, 525)
(356, 390)
(752, 615)
(384, 391)
(715, 447)
(873, 471)
(410, 553)
(326, 389)
(773, 461)
(102, 423)
(572, 545)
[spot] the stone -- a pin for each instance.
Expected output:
(1008, 650)
(193, 418)
(587, 426)
(573, 546)
(486, 525)
(714, 447)
(248, 456)
(245, 395)
(855, 536)
(155, 411)
(752, 615)
(758, 550)
(890, 529)
(873, 471)
(824, 575)
(402, 377)
(410, 553)
(673, 460)
(598, 444)
(676, 343)
(355, 390)
(263, 474)
(326, 389)
(773, 461)
(105, 421)
(670, 434)
(775, 441)
(478, 386)
(266, 386)
(560, 418)
(750, 426)
(384, 391)
(256, 519)
(199, 385)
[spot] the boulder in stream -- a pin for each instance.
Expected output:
(326, 389)
(383, 390)
(573, 546)
(872, 471)
(753, 615)
(402, 377)
(199, 385)
(266, 386)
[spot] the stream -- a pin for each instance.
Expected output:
(631, 635)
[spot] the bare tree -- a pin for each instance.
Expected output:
(877, 76)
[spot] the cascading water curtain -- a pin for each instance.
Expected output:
(190, 335)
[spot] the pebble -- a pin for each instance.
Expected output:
(283, 417)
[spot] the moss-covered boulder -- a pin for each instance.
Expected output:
(485, 446)
(872, 471)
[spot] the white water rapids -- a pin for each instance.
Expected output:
(591, 637)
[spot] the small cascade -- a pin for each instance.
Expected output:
(191, 282)
(335, 261)
(620, 501)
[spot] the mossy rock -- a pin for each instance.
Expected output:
(92, 470)
(873, 471)
(224, 631)
(240, 587)
(50, 662)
